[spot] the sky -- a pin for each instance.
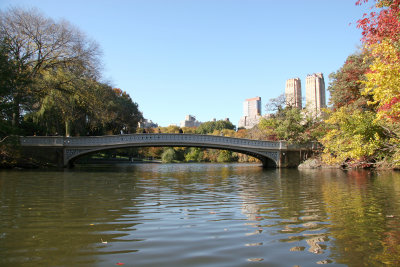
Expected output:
(206, 57)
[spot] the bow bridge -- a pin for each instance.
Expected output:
(64, 150)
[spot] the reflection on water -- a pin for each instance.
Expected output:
(198, 215)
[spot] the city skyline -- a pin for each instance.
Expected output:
(176, 57)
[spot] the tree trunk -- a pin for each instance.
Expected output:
(16, 113)
(67, 128)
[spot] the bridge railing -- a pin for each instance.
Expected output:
(143, 138)
(157, 139)
(42, 141)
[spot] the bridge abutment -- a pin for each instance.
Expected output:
(292, 159)
(46, 155)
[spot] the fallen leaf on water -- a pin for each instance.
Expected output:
(255, 259)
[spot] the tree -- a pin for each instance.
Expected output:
(169, 155)
(76, 98)
(381, 25)
(353, 137)
(364, 126)
(210, 126)
(194, 154)
(290, 124)
(224, 132)
(262, 131)
(36, 44)
(226, 156)
(170, 129)
(125, 113)
(276, 105)
(189, 130)
(7, 71)
(383, 80)
(346, 85)
(381, 39)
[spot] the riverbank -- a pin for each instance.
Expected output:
(317, 163)
(10, 157)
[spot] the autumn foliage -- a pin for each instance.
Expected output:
(363, 128)
(380, 25)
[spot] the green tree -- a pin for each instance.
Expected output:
(74, 96)
(124, 113)
(7, 71)
(194, 154)
(170, 129)
(169, 155)
(226, 156)
(36, 44)
(289, 124)
(353, 137)
(210, 126)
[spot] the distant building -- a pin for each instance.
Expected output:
(251, 113)
(293, 93)
(190, 121)
(315, 93)
(145, 123)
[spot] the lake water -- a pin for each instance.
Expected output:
(198, 215)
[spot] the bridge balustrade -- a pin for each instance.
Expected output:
(141, 138)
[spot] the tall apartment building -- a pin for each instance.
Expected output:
(251, 113)
(145, 123)
(315, 93)
(190, 121)
(293, 93)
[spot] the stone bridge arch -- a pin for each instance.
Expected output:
(67, 149)
(268, 159)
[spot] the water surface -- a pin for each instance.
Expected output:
(198, 215)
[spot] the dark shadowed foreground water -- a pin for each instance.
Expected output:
(199, 215)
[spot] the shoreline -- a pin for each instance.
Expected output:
(317, 163)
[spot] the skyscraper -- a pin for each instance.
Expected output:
(251, 113)
(315, 93)
(293, 93)
(252, 107)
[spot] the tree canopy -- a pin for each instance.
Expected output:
(211, 126)
(50, 80)
(364, 126)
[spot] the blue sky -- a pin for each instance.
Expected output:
(205, 57)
